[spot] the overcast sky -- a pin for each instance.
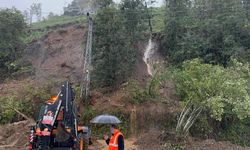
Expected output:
(55, 6)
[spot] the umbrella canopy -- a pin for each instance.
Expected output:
(105, 119)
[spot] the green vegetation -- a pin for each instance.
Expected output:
(140, 95)
(79, 7)
(214, 31)
(201, 128)
(41, 28)
(109, 59)
(237, 132)
(114, 45)
(132, 13)
(8, 114)
(213, 89)
(201, 39)
(27, 101)
(15, 36)
(158, 15)
(33, 36)
(173, 146)
(12, 29)
(58, 20)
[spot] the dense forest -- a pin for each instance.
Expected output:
(215, 31)
(115, 43)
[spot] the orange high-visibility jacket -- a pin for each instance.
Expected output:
(113, 143)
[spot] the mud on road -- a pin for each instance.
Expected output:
(101, 145)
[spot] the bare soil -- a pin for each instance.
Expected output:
(211, 144)
(58, 55)
(14, 136)
(101, 145)
(12, 87)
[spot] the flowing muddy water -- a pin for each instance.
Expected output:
(147, 56)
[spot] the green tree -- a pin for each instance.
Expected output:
(222, 29)
(213, 89)
(51, 15)
(103, 3)
(77, 7)
(12, 29)
(72, 9)
(246, 4)
(113, 59)
(133, 13)
(175, 29)
(35, 9)
(212, 30)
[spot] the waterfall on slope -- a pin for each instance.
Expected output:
(147, 54)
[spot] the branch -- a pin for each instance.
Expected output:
(194, 119)
(183, 116)
(191, 120)
(23, 115)
(182, 113)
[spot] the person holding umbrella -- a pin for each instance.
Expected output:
(116, 142)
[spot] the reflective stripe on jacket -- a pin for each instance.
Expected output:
(113, 143)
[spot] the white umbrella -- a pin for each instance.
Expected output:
(105, 119)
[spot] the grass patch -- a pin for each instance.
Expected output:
(33, 36)
(169, 145)
(58, 20)
(139, 95)
(41, 28)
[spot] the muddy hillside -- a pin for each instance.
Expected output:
(59, 54)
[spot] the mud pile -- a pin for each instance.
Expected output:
(15, 136)
(58, 55)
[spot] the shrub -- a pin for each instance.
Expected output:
(140, 95)
(27, 101)
(237, 133)
(201, 128)
(7, 112)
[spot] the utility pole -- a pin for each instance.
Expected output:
(30, 16)
(85, 85)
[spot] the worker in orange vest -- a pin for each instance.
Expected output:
(116, 142)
